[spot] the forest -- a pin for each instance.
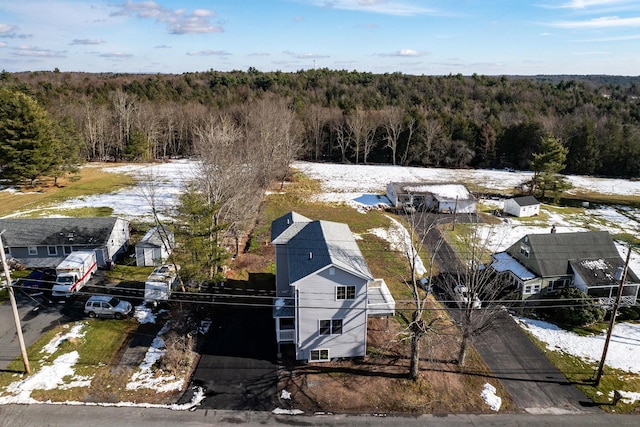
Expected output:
(451, 121)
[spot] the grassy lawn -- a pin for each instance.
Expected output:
(92, 180)
(96, 349)
(582, 373)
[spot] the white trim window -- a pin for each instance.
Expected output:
(33, 250)
(330, 327)
(345, 292)
(67, 250)
(319, 355)
(52, 250)
(531, 289)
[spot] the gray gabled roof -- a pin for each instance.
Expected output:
(22, 232)
(157, 237)
(550, 253)
(315, 245)
(526, 201)
(281, 224)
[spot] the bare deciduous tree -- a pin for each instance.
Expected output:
(361, 130)
(316, 119)
(473, 288)
(393, 118)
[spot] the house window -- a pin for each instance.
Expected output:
(319, 355)
(52, 250)
(556, 284)
(331, 327)
(524, 250)
(67, 250)
(33, 250)
(531, 289)
(345, 292)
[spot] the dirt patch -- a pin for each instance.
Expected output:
(380, 384)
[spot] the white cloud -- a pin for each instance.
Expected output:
(603, 22)
(583, 4)
(208, 52)
(386, 7)
(405, 53)
(26, 50)
(86, 41)
(117, 54)
(177, 21)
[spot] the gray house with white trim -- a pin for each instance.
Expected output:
(324, 290)
(45, 242)
(539, 264)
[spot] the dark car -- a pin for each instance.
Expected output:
(38, 280)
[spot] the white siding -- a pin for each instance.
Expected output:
(316, 297)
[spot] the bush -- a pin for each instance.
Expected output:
(573, 307)
(629, 313)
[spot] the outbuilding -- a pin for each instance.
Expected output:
(522, 206)
(155, 247)
(439, 197)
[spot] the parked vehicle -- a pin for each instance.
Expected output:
(463, 298)
(107, 306)
(161, 283)
(38, 280)
(74, 272)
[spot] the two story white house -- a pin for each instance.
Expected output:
(324, 290)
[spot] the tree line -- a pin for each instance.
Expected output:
(341, 116)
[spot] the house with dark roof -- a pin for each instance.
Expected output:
(543, 263)
(438, 197)
(522, 206)
(324, 290)
(155, 247)
(45, 242)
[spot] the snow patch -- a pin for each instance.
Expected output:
(489, 396)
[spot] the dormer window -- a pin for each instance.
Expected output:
(524, 250)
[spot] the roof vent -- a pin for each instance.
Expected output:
(310, 255)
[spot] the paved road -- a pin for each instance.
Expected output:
(98, 416)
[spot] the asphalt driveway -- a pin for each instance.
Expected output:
(533, 382)
(238, 364)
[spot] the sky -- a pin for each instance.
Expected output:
(418, 37)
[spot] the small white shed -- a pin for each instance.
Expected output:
(522, 206)
(155, 247)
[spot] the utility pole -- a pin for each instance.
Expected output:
(614, 313)
(14, 307)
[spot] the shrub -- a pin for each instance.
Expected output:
(573, 307)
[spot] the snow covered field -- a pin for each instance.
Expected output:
(363, 187)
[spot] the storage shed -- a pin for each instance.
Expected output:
(522, 206)
(155, 247)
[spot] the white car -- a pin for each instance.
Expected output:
(461, 295)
